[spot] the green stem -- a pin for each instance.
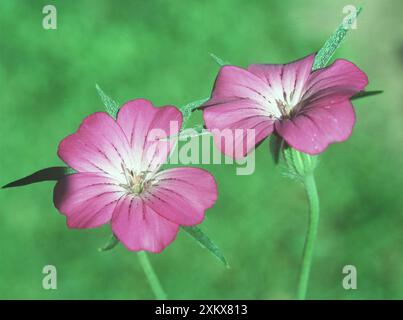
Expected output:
(312, 193)
(151, 277)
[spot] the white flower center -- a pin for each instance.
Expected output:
(281, 105)
(284, 108)
(136, 183)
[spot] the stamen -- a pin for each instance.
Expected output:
(282, 107)
(136, 183)
(286, 107)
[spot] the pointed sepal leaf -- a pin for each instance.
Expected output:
(48, 174)
(112, 243)
(363, 94)
(197, 234)
(326, 52)
(275, 145)
(111, 106)
(189, 108)
(219, 61)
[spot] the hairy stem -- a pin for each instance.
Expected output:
(312, 194)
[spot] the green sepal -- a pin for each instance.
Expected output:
(296, 164)
(324, 55)
(112, 243)
(205, 242)
(48, 174)
(219, 61)
(111, 106)
(275, 146)
(189, 108)
(363, 94)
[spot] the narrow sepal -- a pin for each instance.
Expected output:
(48, 174)
(111, 106)
(112, 243)
(197, 234)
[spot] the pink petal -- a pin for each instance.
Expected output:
(99, 145)
(87, 199)
(237, 82)
(316, 127)
(247, 99)
(233, 119)
(139, 227)
(337, 82)
(182, 195)
(286, 81)
(142, 124)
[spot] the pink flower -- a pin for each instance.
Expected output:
(309, 110)
(118, 178)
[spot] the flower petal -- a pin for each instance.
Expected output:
(286, 81)
(235, 82)
(144, 125)
(87, 199)
(99, 145)
(182, 195)
(229, 122)
(339, 81)
(316, 127)
(139, 227)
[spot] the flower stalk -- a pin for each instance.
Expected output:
(152, 278)
(312, 194)
(301, 166)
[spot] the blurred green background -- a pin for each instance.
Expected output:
(159, 50)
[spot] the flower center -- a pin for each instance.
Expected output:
(284, 108)
(281, 106)
(136, 183)
(287, 106)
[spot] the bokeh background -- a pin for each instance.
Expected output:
(160, 50)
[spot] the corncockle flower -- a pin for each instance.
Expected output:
(309, 110)
(118, 178)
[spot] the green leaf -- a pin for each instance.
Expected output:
(48, 174)
(219, 61)
(111, 106)
(189, 108)
(325, 54)
(112, 243)
(197, 234)
(363, 94)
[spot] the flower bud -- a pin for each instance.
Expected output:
(298, 164)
